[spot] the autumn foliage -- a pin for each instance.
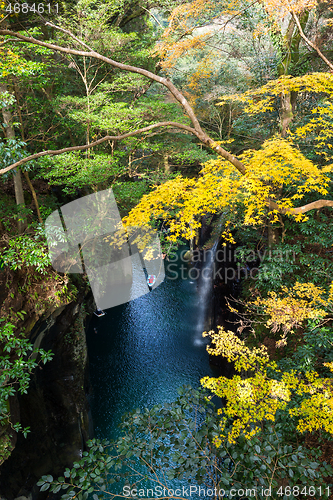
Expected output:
(265, 390)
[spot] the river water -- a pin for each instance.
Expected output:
(145, 349)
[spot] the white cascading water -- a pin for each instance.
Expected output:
(205, 292)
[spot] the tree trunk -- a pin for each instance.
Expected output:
(25, 173)
(273, 232)
(292, 40)
(33, 192)
(166, 163)
(273, 237)
(18, 186)
(288, 104)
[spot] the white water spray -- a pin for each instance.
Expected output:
(205, 292)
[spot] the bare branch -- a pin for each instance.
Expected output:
(301, 210)
(197, 130)
(4, 18)
(152, 15)
(67, 32)
(51, 152)
(301, 32)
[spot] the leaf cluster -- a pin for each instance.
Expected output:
(175, 441)
(25, 251)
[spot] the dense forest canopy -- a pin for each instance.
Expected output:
(200, 110)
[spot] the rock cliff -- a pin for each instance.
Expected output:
(55, 407)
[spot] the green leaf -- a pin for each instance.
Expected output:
(56, 488)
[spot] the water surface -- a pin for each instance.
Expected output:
(145, 349)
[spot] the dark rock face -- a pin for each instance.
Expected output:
(55, 408)
(226, 286)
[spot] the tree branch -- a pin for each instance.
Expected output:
(67, 32)
(125, 67)
(301, 32)
(51, 152)
(301, 210)
(152, 15)
(197, 130)
(4, 18)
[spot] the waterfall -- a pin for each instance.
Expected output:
(205, 293)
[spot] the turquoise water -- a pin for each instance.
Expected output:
(144, 350)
